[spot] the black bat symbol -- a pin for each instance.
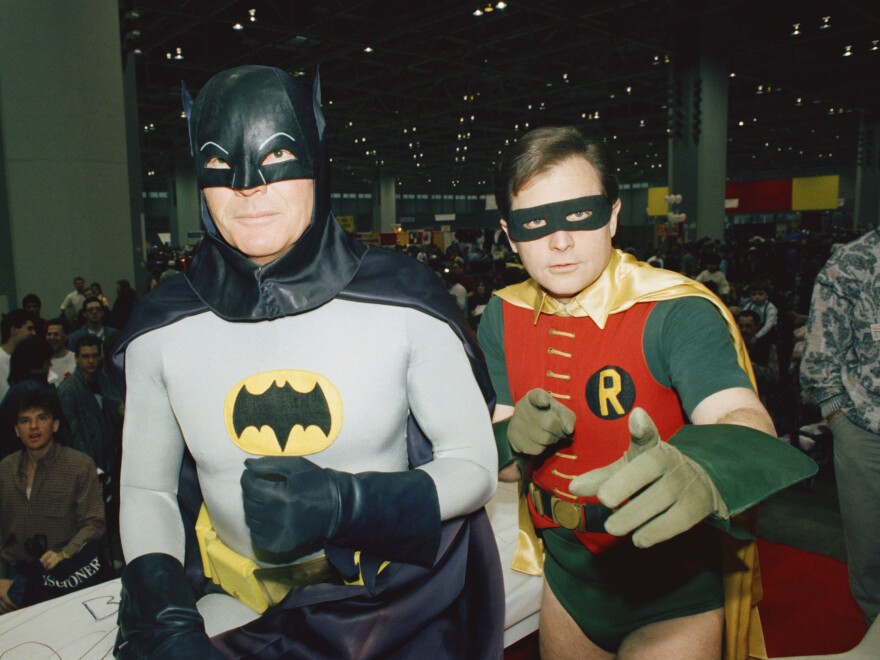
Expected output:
(281, 408)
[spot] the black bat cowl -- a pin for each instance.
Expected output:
(239, 117)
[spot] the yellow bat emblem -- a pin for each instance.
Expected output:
(283, 413)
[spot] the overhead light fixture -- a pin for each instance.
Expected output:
(478, 12)
(253, 15)
(826, 23)
(238, 26)
(501, 5)
(488, 8)
(795, 29)
(874, 43)
(368, 49)
(847, 51)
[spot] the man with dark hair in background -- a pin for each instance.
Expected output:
(93, 311)
(32, 303)
(93, 408)
(49, 498)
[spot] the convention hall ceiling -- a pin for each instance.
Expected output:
(430, 91)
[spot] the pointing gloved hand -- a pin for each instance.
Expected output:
(678, 491)
(538, 421)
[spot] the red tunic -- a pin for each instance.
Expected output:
(601, 375)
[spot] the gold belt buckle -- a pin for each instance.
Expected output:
(566, 514)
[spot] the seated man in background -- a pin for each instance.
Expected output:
(49, 499)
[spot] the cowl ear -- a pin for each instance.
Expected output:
(187, 99)
(316, 104)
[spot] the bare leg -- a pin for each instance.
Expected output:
(560, 637)
(695, 636)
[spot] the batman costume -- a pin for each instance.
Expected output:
(363, 353)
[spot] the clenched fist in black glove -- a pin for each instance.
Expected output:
(291, 504)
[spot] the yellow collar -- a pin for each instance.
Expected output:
(625, 282)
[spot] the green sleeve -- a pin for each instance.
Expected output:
(490, 335)
(688, 347)
(745, 465)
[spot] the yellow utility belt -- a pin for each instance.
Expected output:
(257, 587)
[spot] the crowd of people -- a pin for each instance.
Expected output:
(61, 419)
(303, 412)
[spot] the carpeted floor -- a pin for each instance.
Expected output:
(807, 607)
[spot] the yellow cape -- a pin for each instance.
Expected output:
(624, 283)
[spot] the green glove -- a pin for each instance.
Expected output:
(678, 492)
(538, 421)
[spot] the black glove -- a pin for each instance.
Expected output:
(291, 504)
(158, 616)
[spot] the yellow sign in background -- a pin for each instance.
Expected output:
(656, 204)
(814, 193)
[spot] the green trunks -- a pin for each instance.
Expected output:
(612, 594)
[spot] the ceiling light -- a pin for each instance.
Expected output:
(478, 12)
(253, 15)
(488, 8)
(874, 43)
(368, 49)
(732, 74)
(795, 29)
(847, 51)
(238, 26)
(826, 23)
(500, 5)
